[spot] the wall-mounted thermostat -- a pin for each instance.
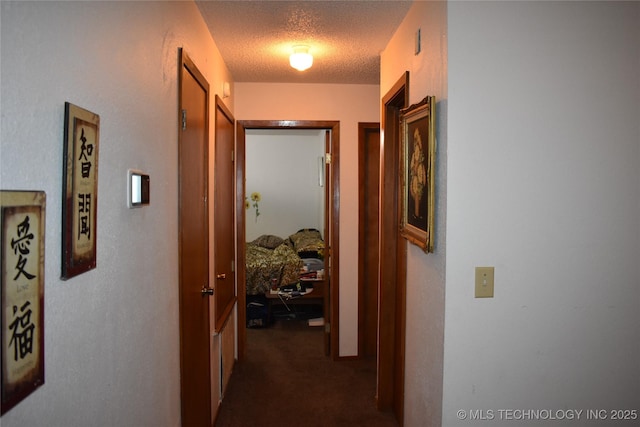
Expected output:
(137, 188)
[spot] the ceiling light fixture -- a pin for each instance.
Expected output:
(301, 59)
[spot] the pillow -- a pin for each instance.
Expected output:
(268, 241)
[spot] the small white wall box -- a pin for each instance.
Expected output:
(137, 188)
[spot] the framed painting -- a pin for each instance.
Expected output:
(22, 231)
(418, 153)
(80, 191)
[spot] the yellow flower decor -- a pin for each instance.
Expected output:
(255, 198)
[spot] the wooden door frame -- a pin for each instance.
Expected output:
(393, 258)
(333, 185)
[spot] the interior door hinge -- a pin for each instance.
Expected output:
(327, 158)
(184, 119)
(233, 266)
(327, 327)
(233, 156)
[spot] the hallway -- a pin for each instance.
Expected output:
(286, 380)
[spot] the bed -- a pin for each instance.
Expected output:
(272, 261)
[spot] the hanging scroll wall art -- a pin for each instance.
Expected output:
(80, 192)
(22, 230)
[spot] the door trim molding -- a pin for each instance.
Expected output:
(393, 256)
(334, 217)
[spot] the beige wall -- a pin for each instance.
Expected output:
(543, 184)
(348, 104)
(425, 273)
(538, 175)
(111, 334)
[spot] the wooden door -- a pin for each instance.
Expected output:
(368, 257)
(224, 215)
(195, 385)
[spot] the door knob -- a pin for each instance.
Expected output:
(206, 291)
(221, 276)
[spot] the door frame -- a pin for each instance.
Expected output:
(332, 214)
(393, 258)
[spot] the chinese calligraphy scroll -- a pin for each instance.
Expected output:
(22, 227)
(80, 195)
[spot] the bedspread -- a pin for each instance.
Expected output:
(263, 264)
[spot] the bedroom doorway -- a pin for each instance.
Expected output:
(329, 220)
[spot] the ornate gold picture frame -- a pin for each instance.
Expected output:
(418, 153)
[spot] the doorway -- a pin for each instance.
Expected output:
(284, 171)
(331, 221)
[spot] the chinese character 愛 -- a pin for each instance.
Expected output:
(20, 247)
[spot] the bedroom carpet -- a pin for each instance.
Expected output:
(286, 381)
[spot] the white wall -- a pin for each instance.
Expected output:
(348, 104)
(112, 337)
(544, 184)
(282, 165)
(425, 273)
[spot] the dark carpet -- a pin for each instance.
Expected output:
(286, 380)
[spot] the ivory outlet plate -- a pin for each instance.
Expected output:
(484, 282)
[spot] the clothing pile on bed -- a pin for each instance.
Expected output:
(273, 262)
(307, 243)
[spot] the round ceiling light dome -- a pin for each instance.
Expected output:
(301, 59)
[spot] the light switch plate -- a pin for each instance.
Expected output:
(484, 282)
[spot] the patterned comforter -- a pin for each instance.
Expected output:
(272, 260)
(263, 264)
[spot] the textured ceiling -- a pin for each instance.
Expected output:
(346, 37)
